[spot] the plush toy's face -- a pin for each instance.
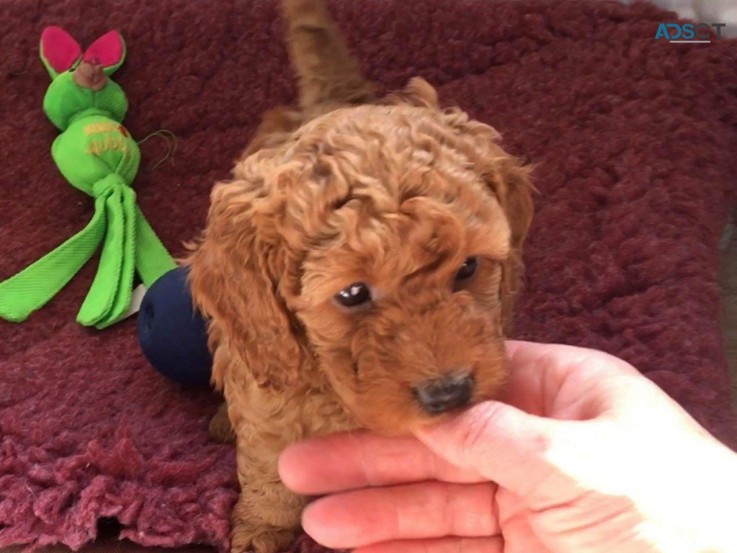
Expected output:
(380, 244)
(80, 81)
(66, 98)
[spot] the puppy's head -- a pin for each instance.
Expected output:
(382, 242)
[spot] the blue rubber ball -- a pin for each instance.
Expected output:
(171, 333)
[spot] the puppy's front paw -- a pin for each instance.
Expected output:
(261, 539)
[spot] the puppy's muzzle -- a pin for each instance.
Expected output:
(444, 394)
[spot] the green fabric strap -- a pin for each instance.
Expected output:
(35, 285)
(110, 293)
(128, 244)
(152, 259)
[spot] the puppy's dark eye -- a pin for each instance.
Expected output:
(354, 295)
(467, 269)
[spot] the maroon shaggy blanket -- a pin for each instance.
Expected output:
(635, 142)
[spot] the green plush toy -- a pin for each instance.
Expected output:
(97, 155)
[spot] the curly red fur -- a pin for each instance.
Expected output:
(394, 192)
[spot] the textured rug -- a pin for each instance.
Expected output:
(634, 141)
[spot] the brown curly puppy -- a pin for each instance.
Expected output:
(358, 269)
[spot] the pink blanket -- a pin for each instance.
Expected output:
(635, 142)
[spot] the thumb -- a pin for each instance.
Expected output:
(499, 442)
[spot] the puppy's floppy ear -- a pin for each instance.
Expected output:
(235, 271)
(510, 182)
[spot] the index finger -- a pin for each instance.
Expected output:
(359, 459)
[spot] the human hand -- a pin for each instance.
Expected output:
(584, 455)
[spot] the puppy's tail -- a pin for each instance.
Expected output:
(326, 71)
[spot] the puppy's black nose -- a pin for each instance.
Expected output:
(443, 394)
